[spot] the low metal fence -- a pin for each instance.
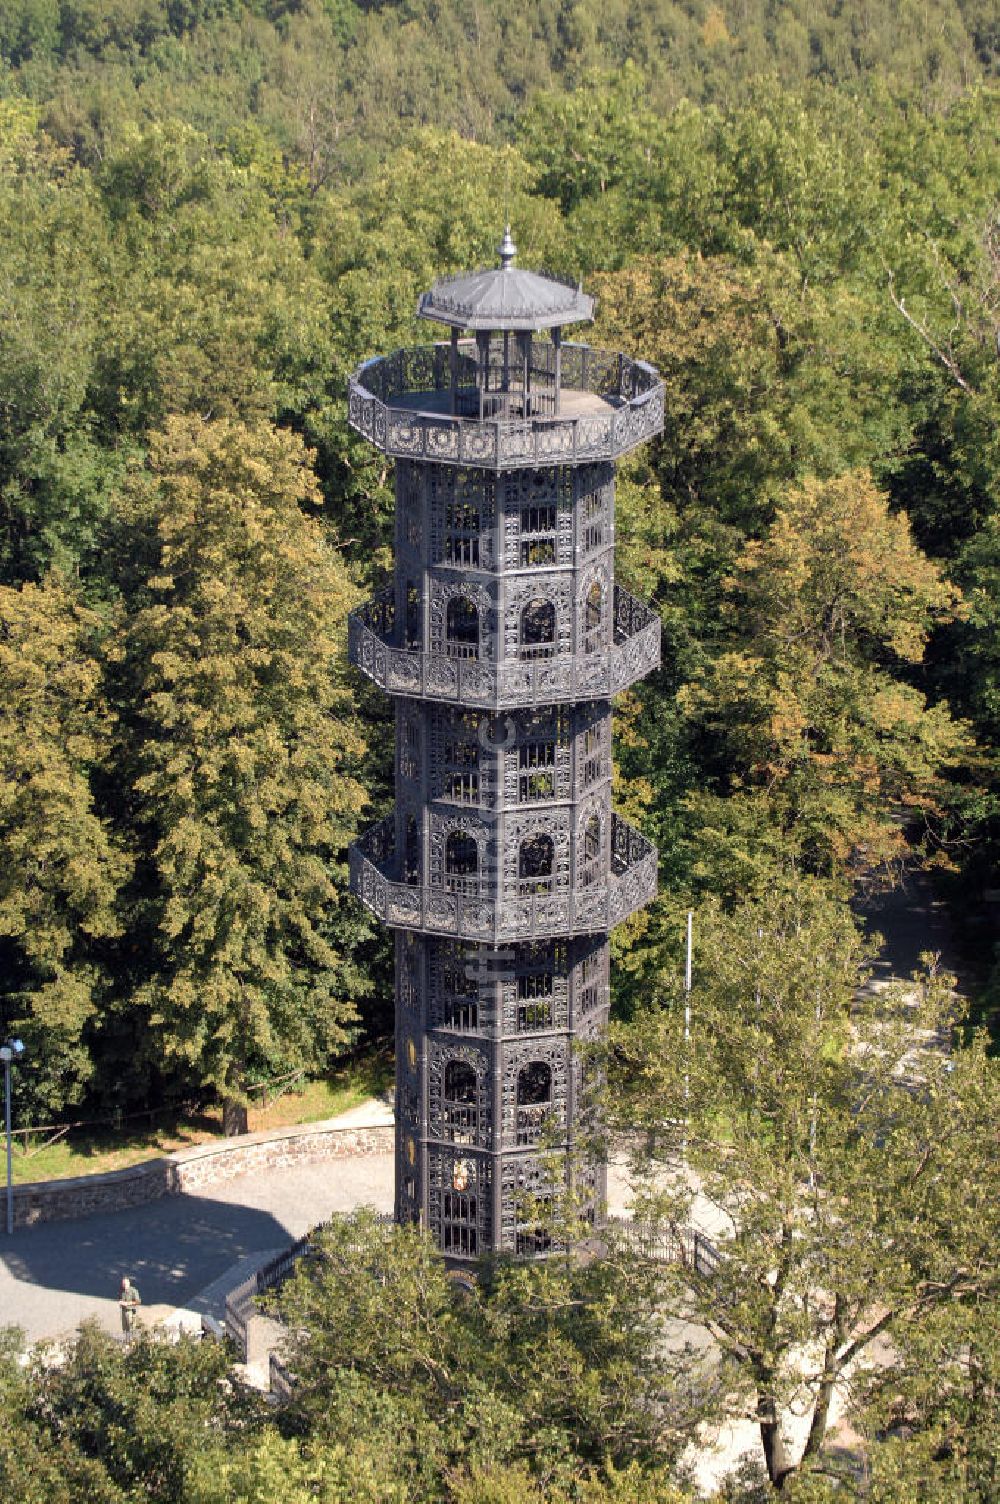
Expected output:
(240, 1300)
(667, 1243)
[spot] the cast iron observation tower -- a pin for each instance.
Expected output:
(503, 638)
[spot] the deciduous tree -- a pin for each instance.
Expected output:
(240, 745)
(849, 1153)
(60, 866)
(811, 704)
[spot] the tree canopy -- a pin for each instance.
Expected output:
(212, 213)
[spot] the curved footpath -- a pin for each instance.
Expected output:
(210, 1228)
(187, 1247)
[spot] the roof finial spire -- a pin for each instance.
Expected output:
(507, 249)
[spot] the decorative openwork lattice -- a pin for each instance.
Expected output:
(503, 637)
(400, 403)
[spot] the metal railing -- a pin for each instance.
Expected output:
(240, 1300)
(634, 653)
(667, 1243)
(492, 914)
(661, 1243)
(508, 442)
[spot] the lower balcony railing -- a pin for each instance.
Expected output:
(492, 917)
(634, 653)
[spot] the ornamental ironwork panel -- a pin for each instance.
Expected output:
(535, 1081)
(396, 402)
(459, 1099)
(528, 1183)
(459, 1202)
(502, 867)
(469, 675)
(493, 902)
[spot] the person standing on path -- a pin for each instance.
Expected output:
(129, 1300)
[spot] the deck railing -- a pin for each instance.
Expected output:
(492, 915)
(634, 653)
(384, 406)
(667, 1243)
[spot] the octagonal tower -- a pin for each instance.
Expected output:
(503, 638)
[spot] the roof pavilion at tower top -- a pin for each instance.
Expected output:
(505, 391)
(506, 297)
(512, 375)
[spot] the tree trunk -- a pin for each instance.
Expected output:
(234, 1112)
(821, 1411)
(779, 1464)
(234, 1118)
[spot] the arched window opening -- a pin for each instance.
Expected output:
(538, 629)
(461, 1102)
(593, 616)
(411, 853)
(462, 628)
(461, 863)
(590, 852)
(535, 861)
(534, 1098)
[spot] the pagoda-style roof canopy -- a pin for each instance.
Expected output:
(506, 298)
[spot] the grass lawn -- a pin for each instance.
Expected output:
(94, 1151)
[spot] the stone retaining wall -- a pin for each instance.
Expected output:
(191, 1169)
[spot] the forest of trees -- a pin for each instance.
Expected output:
(211, 215)
(212, 211)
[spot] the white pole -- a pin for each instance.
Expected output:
(687, 1026)
(10, 1180)
(687, 976)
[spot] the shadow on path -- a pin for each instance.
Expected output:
(911, 920)
(171, 1247)
(54, 1275)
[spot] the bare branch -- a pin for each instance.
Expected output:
(947, 360)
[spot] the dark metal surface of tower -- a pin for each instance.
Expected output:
(502, 640)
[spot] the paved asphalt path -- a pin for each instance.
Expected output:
(54, 1275)
(911, 920)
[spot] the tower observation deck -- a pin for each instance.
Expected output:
(502, 640)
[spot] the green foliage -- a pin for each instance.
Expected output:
(60, 867)
(847, 1157)
(168, 1423)
(110, 1424)
(215, 210)
(546, 1369)
(239, 751)
(804, 707)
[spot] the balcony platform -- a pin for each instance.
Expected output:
(496, 917)
(573, 403)
(471, 682)
(608, 405)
